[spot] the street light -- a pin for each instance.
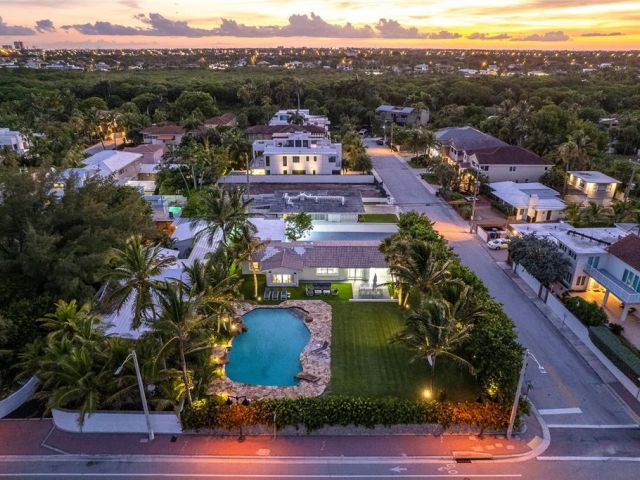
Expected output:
(143, 397)
(245, 403)
(427, 394)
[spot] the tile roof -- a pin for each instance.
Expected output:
(145, 148)
(163, 130)
(221, 120)
(508, 155)
(290, 128)
(467, 138)
(627, 249)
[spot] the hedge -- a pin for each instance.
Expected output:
(589, 313)
(315, 413)
(627, 360)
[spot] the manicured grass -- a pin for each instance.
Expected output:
(377, 218)
(365, 363)
(345, 291)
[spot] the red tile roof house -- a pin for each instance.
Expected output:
(151, 153)
(508, 163)
(224, 120)
(163, 135)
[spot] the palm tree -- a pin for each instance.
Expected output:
(595, 214)
(72, 322)
(434, 330)
(573, 156)
(180, 323)
(247, 248)
(136, 265)
(225, 211)
(298, 87)
(572, 214)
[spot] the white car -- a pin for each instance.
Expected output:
(498, 243)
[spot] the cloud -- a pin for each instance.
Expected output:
(134, 4)
(489, 36)
(305, 25)
(602, 34)
(45, 25)
(556, 36)
(14, 29)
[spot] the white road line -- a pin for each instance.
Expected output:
(590, 459)
(253, 475)
(559, 411)
(594, 427)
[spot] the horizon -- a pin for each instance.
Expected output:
(540, 25)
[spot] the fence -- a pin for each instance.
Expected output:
(17, 398)
(116, 422)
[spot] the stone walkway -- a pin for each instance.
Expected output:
(317, 318)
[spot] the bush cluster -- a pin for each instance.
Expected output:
(627, 360)
(589, 313)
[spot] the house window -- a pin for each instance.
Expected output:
(298, 143)
(631, 279)
(305, 143)
(267, 161)
(593, 261)
(326, 271)
(512, 169)
(284, 161)
(582, 281)
(314, 172)
(281, 278)
(332, 159)
(298, 172)
(307, 158)
(255, 266)
(567, 278)
(315, 158)
(296, 159)
(571, 253)
(484, 168)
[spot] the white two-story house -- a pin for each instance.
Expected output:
(591, 186)
(297, 154)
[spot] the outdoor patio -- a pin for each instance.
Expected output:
(365, 290)
(613, 309)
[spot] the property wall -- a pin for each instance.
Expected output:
(522, 174)
(240, 179)
(17, 398)
(116, 422)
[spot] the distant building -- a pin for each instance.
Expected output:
(529, 202)
(284, 117)
(120, 166)
(268, 132)
(297, 154)
(13, 140)
(224, 120)
(591, 186)
(403, 116)
(421, 68)
(323, 206)
(151, 153)
(608, 122)
(164, 135)
(18, 45)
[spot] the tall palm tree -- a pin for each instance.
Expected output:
(180, 323)
(433, 330)
(136, 265)
(573, 156)
(572, 214)
(247, 248)
(595, 214)
(225, 211)
(73, 322)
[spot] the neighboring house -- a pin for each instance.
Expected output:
(165, 135)
(284, 117)
(336, 207)
(13, 140)
(528, 202)
(297, 154)
(455, 142)
(269, 132)
(289, 264)
(403, 116)
(507, 163)
(120, 166)
(151, 153)
(591, 186)
(224, 120)
(421, 68)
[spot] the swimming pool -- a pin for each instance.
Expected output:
(269, 352)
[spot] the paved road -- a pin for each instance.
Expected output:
(570, 390)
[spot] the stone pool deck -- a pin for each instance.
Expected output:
(317, 318)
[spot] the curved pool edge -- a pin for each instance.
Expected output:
(317, 364)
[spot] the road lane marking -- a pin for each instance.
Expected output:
(559, 411)
(594, 427)
(589, 459)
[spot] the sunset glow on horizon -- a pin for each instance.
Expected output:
(504, 24)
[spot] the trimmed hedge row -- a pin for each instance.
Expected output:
(315, 413)
(589, 313)
(622, 356)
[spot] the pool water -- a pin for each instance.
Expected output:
(269, 352)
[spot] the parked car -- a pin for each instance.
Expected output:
(362, 132)
(380, 141)
(499, 244)
(469, 198)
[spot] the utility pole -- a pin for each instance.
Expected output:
(473, 206)
(516, 400)
(631, 179)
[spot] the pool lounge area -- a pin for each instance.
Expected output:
(285, 352)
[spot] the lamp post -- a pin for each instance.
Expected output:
(239, 400)
(143, 397)
(473, 205)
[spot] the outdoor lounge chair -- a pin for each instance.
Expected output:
(266, 295)
(308, 292)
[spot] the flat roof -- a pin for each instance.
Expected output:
(593, 176)
(318, 201)
(520, 195)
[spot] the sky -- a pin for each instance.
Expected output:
(506, 24)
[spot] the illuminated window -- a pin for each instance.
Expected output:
(281, 278)
(326, 271)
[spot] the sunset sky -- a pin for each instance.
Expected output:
(529, 24)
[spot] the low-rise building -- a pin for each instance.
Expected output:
(591, 186)
(507, 163)
(528, 202)
(285, 117)
(403, 116)
(323, 206)
(454, 142)
(269, 132)
(224, 120)
(13, 140)
(163, 135)
(120, 166)
(297, 154)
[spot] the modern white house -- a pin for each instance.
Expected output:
(163, 135)
(288, 264)
(269, 132)
(528, 202)
(284, 117)
(404, 116)
(13, 140)
(591, 186)
(297, 154)
(507, 163)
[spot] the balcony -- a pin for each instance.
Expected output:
(621, 290)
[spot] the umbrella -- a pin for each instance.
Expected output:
(375, 281)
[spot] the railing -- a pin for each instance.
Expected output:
(619, 289)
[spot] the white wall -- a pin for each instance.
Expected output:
(522, 173)
(17, 398)
(340, 179)
(116, 422)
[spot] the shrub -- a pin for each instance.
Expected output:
(315, 413)
(623, 357)
(589, 313)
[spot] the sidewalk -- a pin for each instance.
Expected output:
(38, 437)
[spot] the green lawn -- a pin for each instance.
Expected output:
(365, 363)
(378, 218)
(297, 293)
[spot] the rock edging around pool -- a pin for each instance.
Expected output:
(317, 318)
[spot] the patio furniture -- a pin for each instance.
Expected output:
(285, 294)
(308, 291)
(321, 348)
(266, 295)
(307, 377)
